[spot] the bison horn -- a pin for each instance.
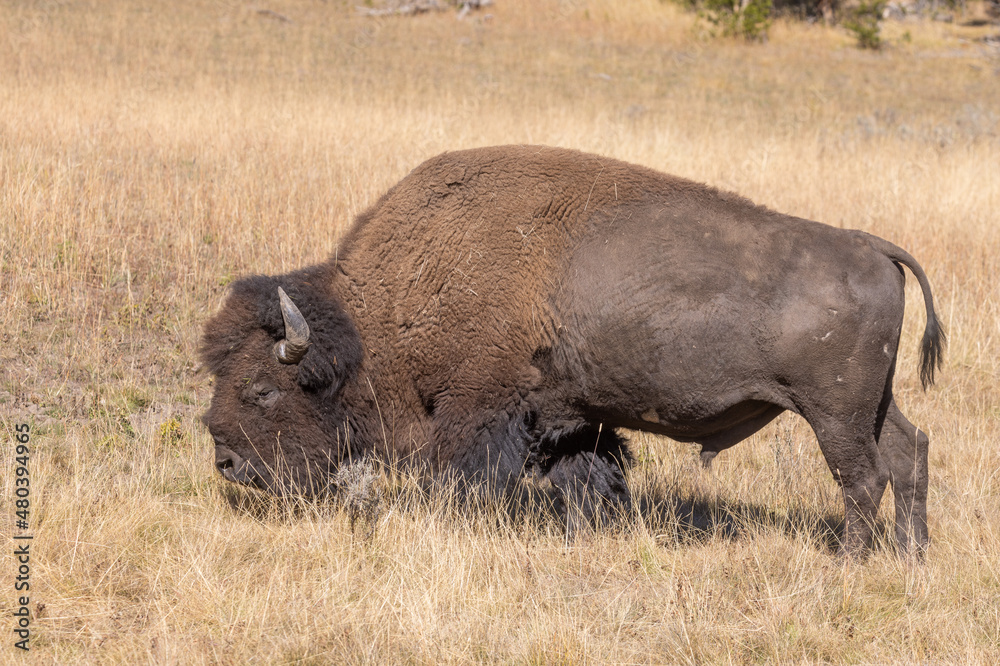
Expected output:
(296, 342)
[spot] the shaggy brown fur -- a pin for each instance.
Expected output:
(504, 309)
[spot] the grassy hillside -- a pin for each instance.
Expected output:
(150, 155)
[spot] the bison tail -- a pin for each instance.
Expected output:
(931, 350)
(934, 340)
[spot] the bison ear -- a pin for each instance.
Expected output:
(313, 331)
(334, 352)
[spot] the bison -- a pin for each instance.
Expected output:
(504, 311)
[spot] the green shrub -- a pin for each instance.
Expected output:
(865, 22)
(749, 19)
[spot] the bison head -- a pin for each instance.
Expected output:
(281, 350)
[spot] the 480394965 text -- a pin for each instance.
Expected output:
(22, 540)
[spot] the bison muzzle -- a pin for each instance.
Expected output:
(505, 311)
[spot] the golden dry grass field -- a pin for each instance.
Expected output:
(150, 153)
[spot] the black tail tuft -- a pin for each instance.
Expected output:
(931, 351)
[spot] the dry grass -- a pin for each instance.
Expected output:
(149, 156)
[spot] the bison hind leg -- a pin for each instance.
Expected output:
(852, 454)
(588, 474)
(903, 448)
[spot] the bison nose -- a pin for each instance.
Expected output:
(228, 463)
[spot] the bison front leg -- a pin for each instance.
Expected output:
(589, 476)
(904, 450)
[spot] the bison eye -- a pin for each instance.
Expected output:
(264, 394)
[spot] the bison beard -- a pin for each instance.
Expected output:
(502, 311)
